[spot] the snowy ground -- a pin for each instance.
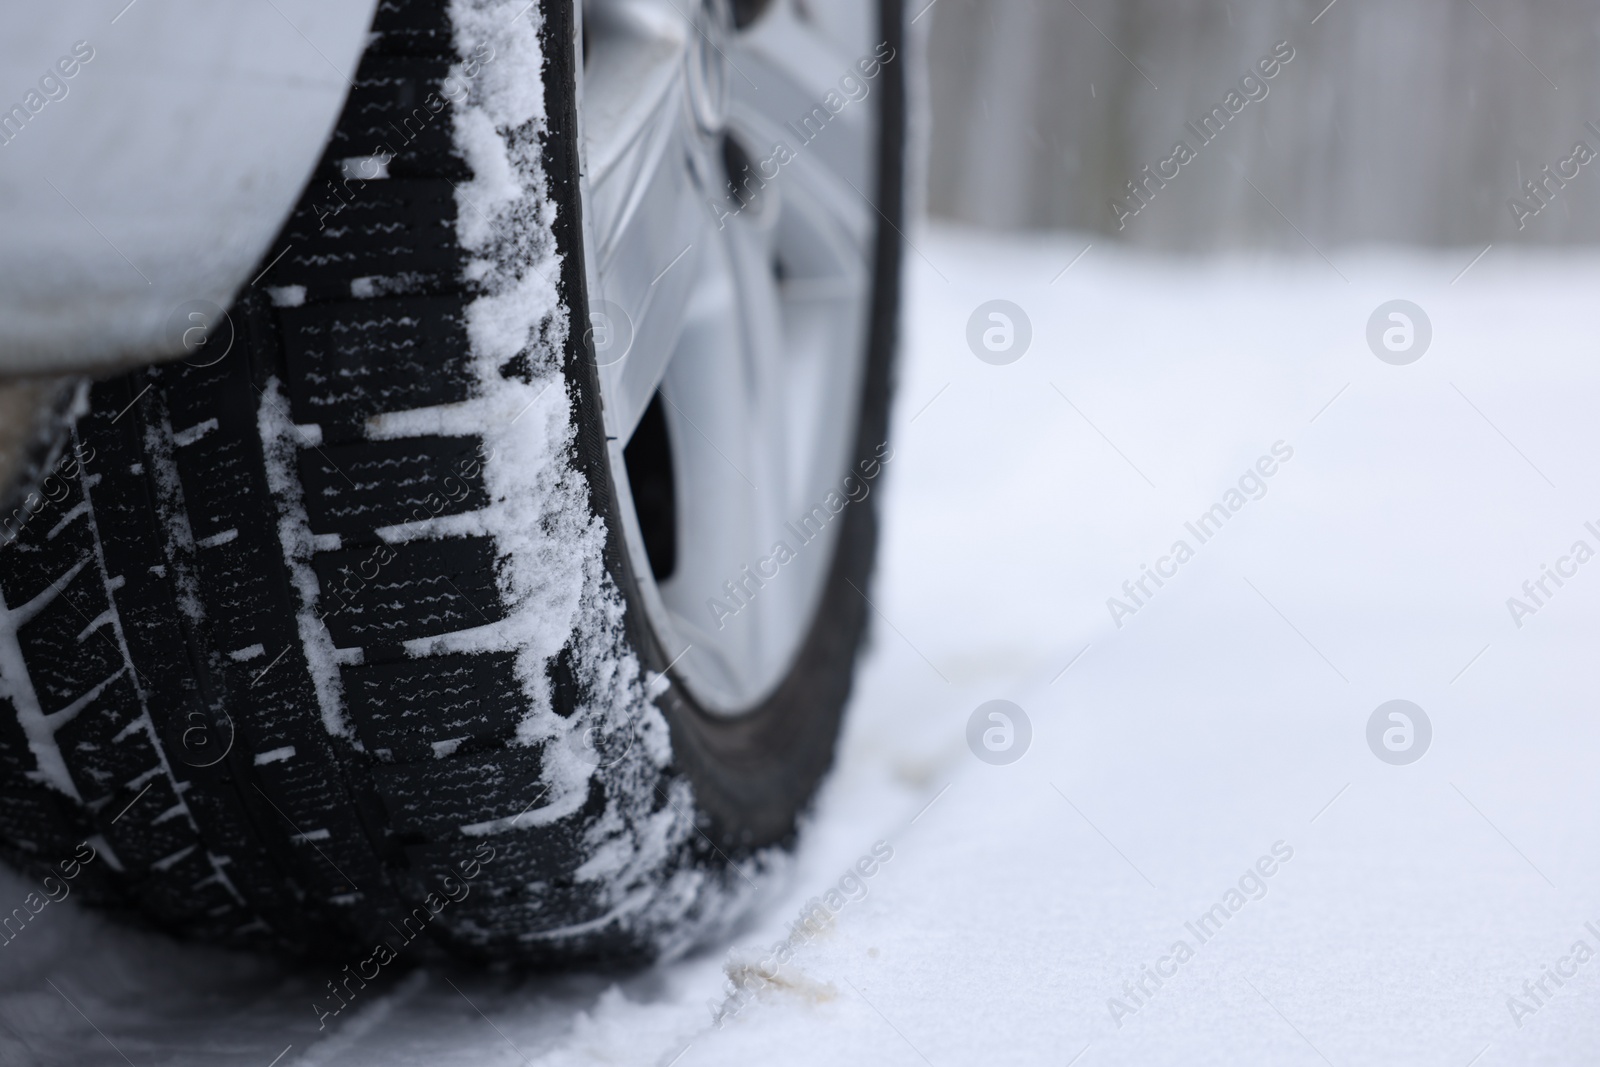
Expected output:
(1227, 716)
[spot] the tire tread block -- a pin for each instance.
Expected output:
(534, 906)
(389, 229)
(30, 557)
(64, 668)
(187, 895)
(313, 811)
(103, 748)
(407, 706)
(403, 27)
(220, 476)
(436, 798)
(33, 819)
(395, 593)
(356, 488)
(139, 840)
(350, 361)
(242, 601)
(397, 108)
(521, 858)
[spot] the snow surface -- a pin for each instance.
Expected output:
(1227, 715)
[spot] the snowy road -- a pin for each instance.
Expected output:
(1205, 732)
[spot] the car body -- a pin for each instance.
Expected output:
(149, 152)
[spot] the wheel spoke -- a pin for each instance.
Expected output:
(648, 275)
(644, 207)
(806, 95)
(737, 387)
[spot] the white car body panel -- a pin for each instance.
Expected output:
(160, 171)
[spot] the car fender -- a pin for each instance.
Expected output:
(157, 173)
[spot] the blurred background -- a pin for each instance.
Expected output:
(1406, 121)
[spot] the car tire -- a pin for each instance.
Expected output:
(348, 629)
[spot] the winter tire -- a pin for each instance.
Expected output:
(437, 599)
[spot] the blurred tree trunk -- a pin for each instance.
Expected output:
(1411, 121)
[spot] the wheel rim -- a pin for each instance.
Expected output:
(729, 328)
